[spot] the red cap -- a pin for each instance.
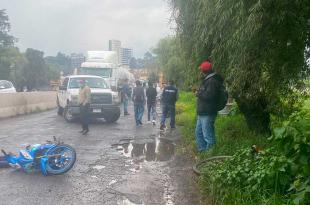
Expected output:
(205, 66)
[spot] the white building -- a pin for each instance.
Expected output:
(116, 45)
(126, 55)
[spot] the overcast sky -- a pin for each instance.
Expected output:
(80, 25)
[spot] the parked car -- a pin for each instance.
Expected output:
(105, 103)
(7, 87)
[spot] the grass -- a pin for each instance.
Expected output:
(232, 134)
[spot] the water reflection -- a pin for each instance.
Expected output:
(158, 149)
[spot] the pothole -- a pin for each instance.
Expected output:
(158, 149)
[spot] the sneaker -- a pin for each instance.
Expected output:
(126, 113)
(154, 122)
(85, 132)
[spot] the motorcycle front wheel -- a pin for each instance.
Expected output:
(60, 159)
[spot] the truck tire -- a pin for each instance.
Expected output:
(67, 115)
(112, 116)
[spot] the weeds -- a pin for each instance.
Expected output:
(277, 174)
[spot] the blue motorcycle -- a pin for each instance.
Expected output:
(51, 158)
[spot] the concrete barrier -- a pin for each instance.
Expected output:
(12, 104)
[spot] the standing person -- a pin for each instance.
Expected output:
(138, 98)
(151, 95)
(84, 100)
(207, 94)
(125, 92)
(169, 98)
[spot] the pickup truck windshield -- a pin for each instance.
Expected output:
(102, 72)
(90, 82)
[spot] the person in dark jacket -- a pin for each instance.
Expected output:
(207, 97)
(169, 98)
(151, 94)
(126, 93)
(138, 98)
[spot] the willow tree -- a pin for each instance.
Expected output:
(260, 46)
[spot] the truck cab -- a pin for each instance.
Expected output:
(105, 103)
(105, 70)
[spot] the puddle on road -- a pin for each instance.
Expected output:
(98, 167)
(158, 149)
(127, 202)
(112, 182)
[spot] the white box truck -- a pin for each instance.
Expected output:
(105, 65)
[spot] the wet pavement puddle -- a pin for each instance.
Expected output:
(112, 182)
(146, 150)
(127, 202)
(98, 167)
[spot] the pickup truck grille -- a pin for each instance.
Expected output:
(100, 98)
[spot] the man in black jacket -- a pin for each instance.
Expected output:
(151, 94)
(169, 97)
(207, 98)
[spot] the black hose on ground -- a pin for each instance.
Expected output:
(215, 158)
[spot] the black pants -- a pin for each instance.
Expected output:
(85, 116)
(168, 109)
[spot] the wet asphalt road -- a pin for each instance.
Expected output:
(116, 163)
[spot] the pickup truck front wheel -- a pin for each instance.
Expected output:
(67, 115)
(112, 116)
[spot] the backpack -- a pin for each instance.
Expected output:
(223, 95)
(139, 97)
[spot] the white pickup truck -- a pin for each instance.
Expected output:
(105, 103)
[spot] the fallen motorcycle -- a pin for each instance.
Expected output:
(51, 158)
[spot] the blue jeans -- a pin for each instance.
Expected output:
(205, 134)
(171, 110)
(151, 109)
(139, 110)
(125, 101)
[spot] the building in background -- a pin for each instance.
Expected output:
(126, 55)
(116, 45)
(76, 60)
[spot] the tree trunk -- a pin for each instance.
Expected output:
(256, 114)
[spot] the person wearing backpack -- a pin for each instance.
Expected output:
(138, 98)
(211, 97)
(151, 94)
(125, 93)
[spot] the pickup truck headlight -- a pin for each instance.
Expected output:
(115, 98)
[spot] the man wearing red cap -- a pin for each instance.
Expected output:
(207, 97)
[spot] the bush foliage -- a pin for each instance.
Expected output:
(276, 173)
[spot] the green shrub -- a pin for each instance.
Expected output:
(283, 169)
(277, 175)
